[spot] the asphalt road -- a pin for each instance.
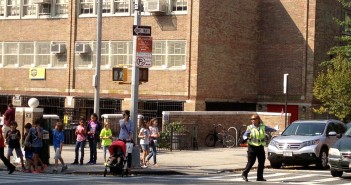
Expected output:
(282, 176)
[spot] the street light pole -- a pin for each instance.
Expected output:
(135, 72)
(285, 84)
(96, 77)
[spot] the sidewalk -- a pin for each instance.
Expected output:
(203, 161)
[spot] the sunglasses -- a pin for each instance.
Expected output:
(254, 118)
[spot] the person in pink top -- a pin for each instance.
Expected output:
(80, 132)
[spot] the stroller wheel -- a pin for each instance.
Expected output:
(105, 172)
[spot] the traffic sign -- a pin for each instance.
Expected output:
(141, 30)
(143, 60)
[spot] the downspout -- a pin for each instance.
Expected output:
(71, 39)
(306, 49)
(190, 50)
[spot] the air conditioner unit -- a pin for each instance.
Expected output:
(82, 48)
(155, 6)
(58, 48)
(41, 1)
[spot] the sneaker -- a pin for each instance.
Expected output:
(75, 163)
(12, 170)
(81, 163)
(64, 168)
(88, 163)
(43, 167)
(156, 165)
(54, 171)
(35, 171)
(143, 166)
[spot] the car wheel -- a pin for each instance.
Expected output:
(323, 159)
(276, 165)
(336, 173)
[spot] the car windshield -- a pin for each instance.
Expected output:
(348, 132)
(305, 129)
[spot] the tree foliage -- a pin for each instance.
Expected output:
(332, 85)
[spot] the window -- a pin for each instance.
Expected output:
(179, 5)
(10, 55)
(26, 54)
(2, 8)
(30, 54)
(13, 8)
(44, 9)
(86, 6)
(168, 53)
(61, 7)
(106, 6)
(121, 53)
(29, 9)
(121, 6)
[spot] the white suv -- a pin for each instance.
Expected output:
(305, 142)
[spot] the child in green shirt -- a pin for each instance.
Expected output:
(106, 137)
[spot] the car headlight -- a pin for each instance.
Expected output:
(274, 143)
(309, 143)
(334, 152)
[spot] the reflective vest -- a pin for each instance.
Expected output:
(257, 135)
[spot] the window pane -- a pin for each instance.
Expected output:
(179, 5)
(86, 6)
(120, 53)
(121, 6)
(59, 60)
(159, 53)
(29, 9)
(106, 6)
(2, 7)
(61, 7)
(13, 8)
(43, 54)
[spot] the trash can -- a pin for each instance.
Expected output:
(45, 151)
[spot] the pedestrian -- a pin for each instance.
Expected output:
(8, 116)
(94, 128)
(106, 137)
(58, 140)
(28, 150)
(80, 132)
(154, 135)
(144, 135)
(36, 134)
(126, 133)
(255, 134)
(7, 163)
(13, 137)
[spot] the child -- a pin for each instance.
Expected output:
(58, 139)
(35, 137)
(7, 163)
(13, 136)
(80, 132)
(94, 128)
(28, 151)
(154, 134)
(106, 136)
(144, 135)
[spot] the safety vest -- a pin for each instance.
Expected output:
(257, 136)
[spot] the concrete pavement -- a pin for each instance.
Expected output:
(203, 161)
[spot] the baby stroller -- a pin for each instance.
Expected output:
(117, 162)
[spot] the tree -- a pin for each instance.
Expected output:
(332, 85)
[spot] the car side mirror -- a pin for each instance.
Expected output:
(332, 133)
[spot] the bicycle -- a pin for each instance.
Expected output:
(223, 137)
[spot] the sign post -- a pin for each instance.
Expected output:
(285, 91)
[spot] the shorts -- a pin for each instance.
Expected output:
(36, 150)
(18, 152)
(28, 155)
(145, 147)
(57, 153)
(5, 129)
(106, 149)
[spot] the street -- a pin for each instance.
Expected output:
(283, 176)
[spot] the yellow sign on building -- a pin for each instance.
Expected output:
(37, 73)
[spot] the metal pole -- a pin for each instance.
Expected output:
(286, 98)
(96, 77)
(135, 72)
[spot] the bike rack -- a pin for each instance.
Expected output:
(236, 135)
